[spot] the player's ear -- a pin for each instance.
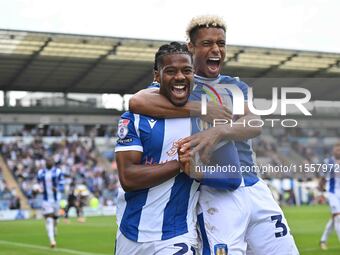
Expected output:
(191, 47)
(156, 76)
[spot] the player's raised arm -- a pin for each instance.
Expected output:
(135, 176)
(150, 102)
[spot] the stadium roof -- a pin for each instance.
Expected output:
(37, 61)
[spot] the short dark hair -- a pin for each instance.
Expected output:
(171, 48)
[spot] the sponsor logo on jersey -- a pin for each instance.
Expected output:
(152, 123)
(174, 147)
(122, 141)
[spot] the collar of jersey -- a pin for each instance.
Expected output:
(207, 79)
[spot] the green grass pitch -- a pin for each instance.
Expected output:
(97, 235)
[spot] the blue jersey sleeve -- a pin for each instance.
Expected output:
(128, 133)
(224, 168)
(154, 85)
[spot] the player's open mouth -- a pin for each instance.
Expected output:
(213, 63)
(179, 91)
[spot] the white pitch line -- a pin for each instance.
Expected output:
(38, 247)
(317, 249)
(89, 224)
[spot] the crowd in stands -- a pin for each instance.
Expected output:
(308, 144)
(296, 146)
(8, 198)
(63, 131)
(76, 159)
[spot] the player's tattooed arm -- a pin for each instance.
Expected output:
(134, 176)
(150, 102)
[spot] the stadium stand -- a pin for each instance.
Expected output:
(294, 145)
(6, 194)
(77, 159)
(12, 194)
(63, 131)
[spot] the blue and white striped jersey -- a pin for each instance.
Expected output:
(166, 210)
(52, 181)
(333, 175)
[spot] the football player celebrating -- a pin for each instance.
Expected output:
(247, 220)
(157, 212)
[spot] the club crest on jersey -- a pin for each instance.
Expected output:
(123, 128)
(220, 249)
(173, 150)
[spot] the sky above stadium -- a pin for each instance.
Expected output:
(292, 24)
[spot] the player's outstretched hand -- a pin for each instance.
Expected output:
(203, 143)
(216, 112)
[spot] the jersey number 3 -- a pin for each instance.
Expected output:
(279, 224)
(184, 249)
